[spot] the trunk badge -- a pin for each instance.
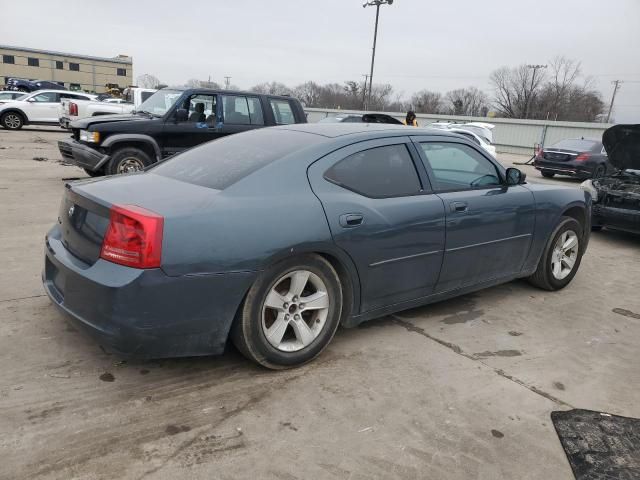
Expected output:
(71, 210)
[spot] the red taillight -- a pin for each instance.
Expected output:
(134, 237)
(583, 157)
(73, 108)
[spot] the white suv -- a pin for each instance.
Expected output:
(39, 108)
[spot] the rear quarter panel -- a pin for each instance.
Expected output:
(553, 202)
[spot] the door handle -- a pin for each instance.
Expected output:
(459, 207)
(350, 220)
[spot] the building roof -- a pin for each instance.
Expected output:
(120, 59)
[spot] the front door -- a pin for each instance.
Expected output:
(489, 225)
(43, 107)
(381, 212)
(199, 127)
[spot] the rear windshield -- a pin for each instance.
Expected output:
(577, 145)
(221, 163)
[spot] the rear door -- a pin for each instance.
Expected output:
(489, 225)
(43, 107)
(384, 216)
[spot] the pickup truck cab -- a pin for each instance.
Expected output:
(38, 108)
(171, 121)
(71, 110)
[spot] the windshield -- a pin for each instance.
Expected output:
(577, 145)
(482, 132)
(160, 102)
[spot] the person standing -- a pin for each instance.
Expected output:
(410, 120)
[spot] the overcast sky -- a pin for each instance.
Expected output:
(434, 44)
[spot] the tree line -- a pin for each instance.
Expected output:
(556, 92)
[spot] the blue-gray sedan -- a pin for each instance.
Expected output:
(273, 238)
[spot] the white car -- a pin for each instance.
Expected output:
(481, 129)
(475, 138)
(9, 96)
(37, 108)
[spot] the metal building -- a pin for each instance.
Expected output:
(75, 72)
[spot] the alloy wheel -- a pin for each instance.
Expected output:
(12, 121)
(295, 311)
(565, 254)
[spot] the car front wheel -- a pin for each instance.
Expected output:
(128, 160)
(290, 314)
(561, 257)
(12, 121)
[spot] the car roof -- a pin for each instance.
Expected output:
(229, 92)
(334, 130)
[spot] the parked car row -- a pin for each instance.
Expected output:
(27, 86)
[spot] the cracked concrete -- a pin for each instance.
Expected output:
(434, 392)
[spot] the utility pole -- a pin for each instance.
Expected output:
(377, 4)
(227, 82)
(616, 86)
(533, 77)
(364, 91)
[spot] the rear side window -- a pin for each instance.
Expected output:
(380, 172)
(282, 112)
(224, 162)
(235, 110)
(255, 111)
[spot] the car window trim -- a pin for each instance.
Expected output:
(421, 191)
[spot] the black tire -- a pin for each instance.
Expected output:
(543, 276)
(547, 174)
(599, 171)
(596, 228)
(127, 160)
(12, 121)
(91, 173)
(248, 334)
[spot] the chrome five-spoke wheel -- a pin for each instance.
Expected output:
(295, 310)
(565, 254)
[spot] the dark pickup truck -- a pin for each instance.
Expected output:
(168, 122)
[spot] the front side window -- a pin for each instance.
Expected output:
(45, 97)
(8, 59)
(380, 172)
(282, 112)
(459, 167)
(200, 109)
(74, 67)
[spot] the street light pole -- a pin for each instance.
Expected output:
(377, 4)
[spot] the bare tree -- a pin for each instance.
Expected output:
(195, 83)
(379, 97)
(516, 89)
(271, 88)
(425, 101)
(467, 101)
(147, 81)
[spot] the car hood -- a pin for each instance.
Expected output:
(622, 143)
(122, 117)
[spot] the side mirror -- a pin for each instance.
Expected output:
(515, 176)
(182, 115)
(31, 100)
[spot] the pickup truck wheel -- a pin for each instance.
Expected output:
(128, 160)
(547, 174)
(12, 121)
(561, 257)
(91, 173)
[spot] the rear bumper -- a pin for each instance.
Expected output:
(143, 313)
(82, 155)
(573, 169)
(618, 218)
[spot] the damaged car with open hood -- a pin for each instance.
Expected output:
(616, 197)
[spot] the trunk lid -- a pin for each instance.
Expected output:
(556, 155)
(85, 208)
(622, 143)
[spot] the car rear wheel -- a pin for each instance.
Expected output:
(547, 174)
(128, 160)
(290, 314)
(12, 121)
(599, 171)
(561, 257)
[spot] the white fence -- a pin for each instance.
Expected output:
(510, 136)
